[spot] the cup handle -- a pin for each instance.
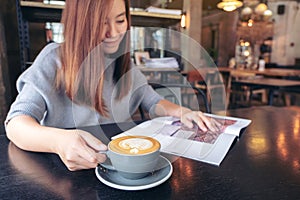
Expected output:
(107, 164)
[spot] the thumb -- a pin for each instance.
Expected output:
(92, 141)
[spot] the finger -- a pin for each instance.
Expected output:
(200, 123)
(93, 142)
(82, 166)
(217, 124)
(193, 117)
(213, 125)
(207, 121)
(82, 149)
(89, 154)
(101, 157)
(85, 164)
(91, 147)
(78, 163)
(214, 121)
(187, 122)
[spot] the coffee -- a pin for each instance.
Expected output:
(134, 145)
(133, 157)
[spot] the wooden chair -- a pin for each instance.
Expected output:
(212, 83)
(242, 95)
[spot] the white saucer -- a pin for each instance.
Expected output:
(113, 179)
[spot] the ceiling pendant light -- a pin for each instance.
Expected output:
(229, 5)
(258, 12)
(261, 8)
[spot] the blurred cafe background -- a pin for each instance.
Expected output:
(249, 35)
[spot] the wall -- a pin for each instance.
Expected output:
(8, 11)
(10, 30)
(3, 71)
(225, 23)
(286, 43)
(37, 39)
(192, 34)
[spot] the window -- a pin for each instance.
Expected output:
(54, 30)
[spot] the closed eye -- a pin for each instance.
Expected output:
(120, 21)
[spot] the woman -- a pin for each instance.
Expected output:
(87, 80)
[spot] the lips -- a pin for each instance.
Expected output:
(111, 43)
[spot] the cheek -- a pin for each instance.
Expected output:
(123, 27)
(102, 36)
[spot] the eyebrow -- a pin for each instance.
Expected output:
(119, 15)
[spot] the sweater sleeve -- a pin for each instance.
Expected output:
(149, 97)
(34, 85)
(28, 102)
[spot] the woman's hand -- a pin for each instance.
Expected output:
(189, 118)
(80, 150)
(77, 149)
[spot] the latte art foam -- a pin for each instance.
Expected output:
(134, 145)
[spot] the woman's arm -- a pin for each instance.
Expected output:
(76, 148)
(187, 116)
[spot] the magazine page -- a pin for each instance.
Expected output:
(231, 125)
(177, 139)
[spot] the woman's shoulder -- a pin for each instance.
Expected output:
(44, 66)
(49, 57)
(51, 46)
(49, 52)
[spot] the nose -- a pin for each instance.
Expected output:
(111, 31)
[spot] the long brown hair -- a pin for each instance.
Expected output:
(81, 75)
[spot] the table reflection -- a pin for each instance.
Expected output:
(33, 168)
(187, 171)
(258, 146)
(296, 126)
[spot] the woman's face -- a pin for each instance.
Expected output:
(115, 27)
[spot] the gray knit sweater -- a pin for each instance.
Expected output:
(39, 99)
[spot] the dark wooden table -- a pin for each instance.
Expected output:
(164, 74)
(264, 163)
(268, 72)
(272, 84)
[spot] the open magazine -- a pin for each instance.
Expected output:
(177, 139)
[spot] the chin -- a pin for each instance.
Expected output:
(110, 50)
